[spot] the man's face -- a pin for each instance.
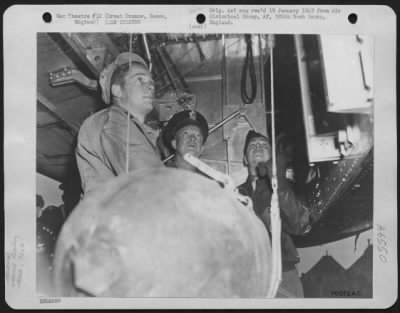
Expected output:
(189, 139)
(138, 90)
(258, 150)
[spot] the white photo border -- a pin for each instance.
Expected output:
(21, 25)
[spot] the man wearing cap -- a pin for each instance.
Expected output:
(186, 132)
(294, 213)
(127, 86)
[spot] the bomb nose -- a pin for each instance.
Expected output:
(164, 243)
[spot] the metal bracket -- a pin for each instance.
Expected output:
(96, 57)
(173, 103)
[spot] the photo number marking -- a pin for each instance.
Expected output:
(382, 245)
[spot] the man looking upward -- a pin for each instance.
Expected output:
(116, 140)
(294, 213)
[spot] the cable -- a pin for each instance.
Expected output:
(276, 267)
(248, 66)
(128, 116)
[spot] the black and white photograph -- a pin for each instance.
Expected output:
(167, 95)
(204, 165)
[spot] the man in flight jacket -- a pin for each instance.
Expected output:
(294, 213)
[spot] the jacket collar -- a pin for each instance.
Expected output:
(247, 187)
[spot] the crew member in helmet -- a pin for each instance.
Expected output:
(186, 132)
(127, 86)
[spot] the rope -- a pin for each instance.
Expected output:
(248, 66)
(128, 116)
(276, 275)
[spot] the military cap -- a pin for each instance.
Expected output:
(182, 119)
(106, 74)
(252, 135)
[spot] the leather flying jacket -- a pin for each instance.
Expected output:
(293, 211)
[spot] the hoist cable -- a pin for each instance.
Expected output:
(128, 116)
(276, 267)
(248, 67)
